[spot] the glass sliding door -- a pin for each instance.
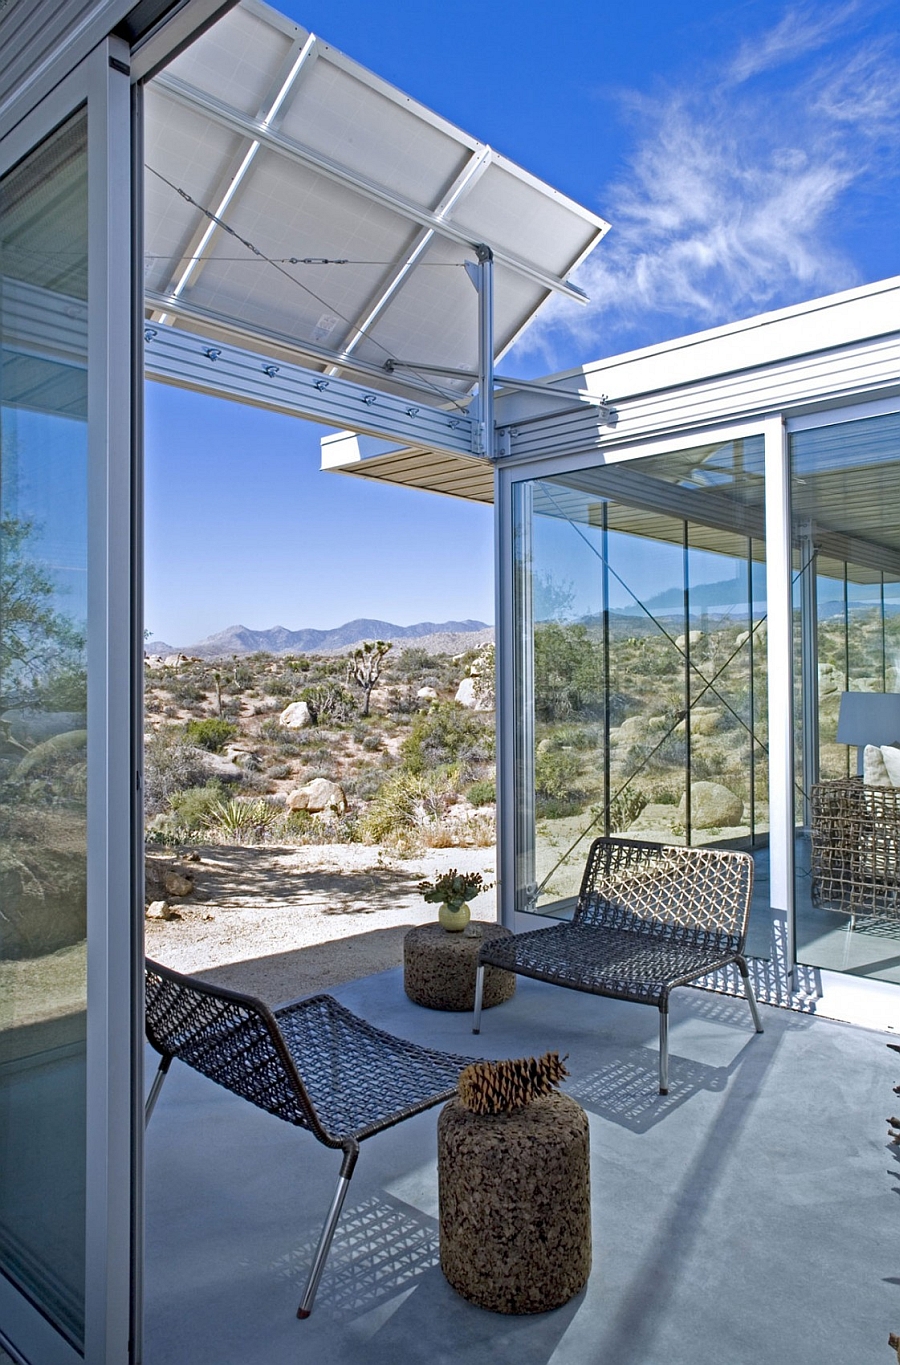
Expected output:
(845, 509)
(69, 935)
(640, 619)
(43, 724)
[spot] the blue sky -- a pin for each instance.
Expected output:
(748, 157)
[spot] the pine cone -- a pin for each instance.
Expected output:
(499, 1087)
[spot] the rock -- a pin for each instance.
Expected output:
(467, 695)
(157, 910)
(704, 720)
(175, 660)
(427, 694)
(692, 639)
(178, 883)
(192, 856)
(216, 765)
(296, 716)
(712, 806)
(318, 795)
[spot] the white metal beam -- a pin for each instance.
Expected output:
(247, 126)
(254, 337)
(189, 361)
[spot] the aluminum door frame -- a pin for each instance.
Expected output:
(113, 1080)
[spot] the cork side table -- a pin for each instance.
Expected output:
(515, 1204)
(439, 968)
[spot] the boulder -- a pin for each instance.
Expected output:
(216, 765)
(705, 720)
(712, 806)
(296, 716)
(693, 638)
(318, 795)
(467, 694)
(178, 883)
(426, 694)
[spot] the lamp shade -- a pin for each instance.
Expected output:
(869, 718)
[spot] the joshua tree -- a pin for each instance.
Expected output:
(364, 667)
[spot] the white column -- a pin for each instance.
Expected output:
(780, 671)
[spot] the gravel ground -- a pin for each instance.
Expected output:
(284, 921)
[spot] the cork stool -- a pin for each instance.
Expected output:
(515, 1207)
(439, 968)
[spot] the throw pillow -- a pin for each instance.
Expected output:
(875, 772)
(891, 758)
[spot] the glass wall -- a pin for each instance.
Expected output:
(43, 609)
(641, 671)
(845, 497)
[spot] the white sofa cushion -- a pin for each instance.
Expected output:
(875, 773)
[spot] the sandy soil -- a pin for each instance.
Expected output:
(283, 921)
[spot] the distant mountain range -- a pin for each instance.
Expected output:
(280, 640)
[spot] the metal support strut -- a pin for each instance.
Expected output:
(664, 1051)
(482, 277)
(334, 1213)
(162, 1072)
(748, 991)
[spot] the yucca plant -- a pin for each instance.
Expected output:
(242, 820)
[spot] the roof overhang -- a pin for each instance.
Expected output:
(297, 201)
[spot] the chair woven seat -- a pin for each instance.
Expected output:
(628, 965)
(360, 1079)
(648, 918)
(313, 1063)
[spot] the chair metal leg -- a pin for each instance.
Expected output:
(328, 1231)
(161, 1073)
(664, 1052)
(751, 998)
(479, 992)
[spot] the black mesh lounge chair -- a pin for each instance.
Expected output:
(313, 1063)
(648, 918)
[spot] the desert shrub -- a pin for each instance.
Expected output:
(482, 793)
(568, 671)
(278, 770)
(557, 776)
(212, 733)
(444, 735)
(170, 765)
(372, 743)
(405, 801)
(624, 809)
(190, 809)
(186, 690)
(280, 687)
(329, 701)
(243, 822)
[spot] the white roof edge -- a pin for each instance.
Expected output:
(742, 344)
(422, 111)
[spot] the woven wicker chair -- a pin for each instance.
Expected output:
(648, 918)
(313, 1064)
(856, 848)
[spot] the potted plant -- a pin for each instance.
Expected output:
(452, 891)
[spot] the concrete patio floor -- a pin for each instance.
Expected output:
(750, 1216)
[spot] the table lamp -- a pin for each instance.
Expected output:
(868, 718)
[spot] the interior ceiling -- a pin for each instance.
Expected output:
(845, 489)
(346, 211)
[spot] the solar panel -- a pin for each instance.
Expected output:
(291, 193)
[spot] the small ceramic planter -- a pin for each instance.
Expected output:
(454, 921)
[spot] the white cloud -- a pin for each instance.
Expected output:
(731, 198)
